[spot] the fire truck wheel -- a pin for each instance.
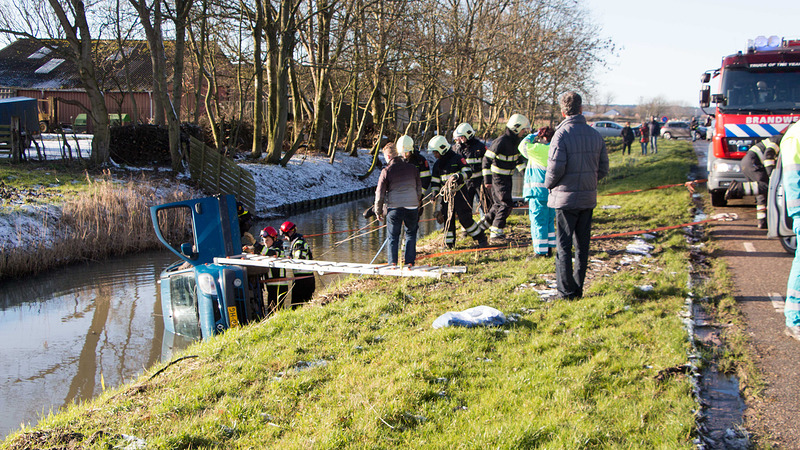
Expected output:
(718, 198)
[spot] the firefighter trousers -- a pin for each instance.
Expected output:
(503, 204)
(543, 229)
(463, 211)
(791, 308)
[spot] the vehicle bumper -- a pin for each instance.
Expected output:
(721, 172)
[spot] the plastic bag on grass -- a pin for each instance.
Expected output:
(473, 317)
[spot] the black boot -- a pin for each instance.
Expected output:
(482, 241)
(762, 224)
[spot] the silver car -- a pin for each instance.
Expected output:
(606, 128)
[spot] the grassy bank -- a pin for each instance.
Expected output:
(367, 370)
(72, 216)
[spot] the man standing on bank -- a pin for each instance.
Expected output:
(397, 200)
(578, 160)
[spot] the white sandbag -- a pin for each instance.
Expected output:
(473, 317)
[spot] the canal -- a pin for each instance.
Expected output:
(69, 333)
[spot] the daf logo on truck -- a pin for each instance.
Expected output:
(757, 95)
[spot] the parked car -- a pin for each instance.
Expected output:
(607, 128)
(676, 129)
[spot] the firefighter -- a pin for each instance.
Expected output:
(790, 159)
(757, 166)
(245, 221)
(275, 281)
(535, 148)
(498, 164)
(304, 283)
(468, 146)
(449, 174)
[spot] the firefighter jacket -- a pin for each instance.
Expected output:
(473, 151)
(278, 274)
(502, 157)
(767, 151)
(299, 249)
(451, 163)
(536, 154)
(790, 159)
(424, 168)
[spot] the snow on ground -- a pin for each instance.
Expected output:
(310, 178)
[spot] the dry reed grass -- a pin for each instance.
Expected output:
(111, 218)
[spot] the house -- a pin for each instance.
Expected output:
(39, 69)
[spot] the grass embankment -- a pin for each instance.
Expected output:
(368, 371)
(75, 216)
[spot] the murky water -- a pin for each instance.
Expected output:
(66, 333)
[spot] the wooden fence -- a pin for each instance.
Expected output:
(220, 175)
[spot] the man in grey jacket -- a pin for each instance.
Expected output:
(397, 200)
(578, 159)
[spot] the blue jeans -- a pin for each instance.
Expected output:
(654, 143)
(395, 219)
(644, 148)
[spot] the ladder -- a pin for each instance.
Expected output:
(321, 267)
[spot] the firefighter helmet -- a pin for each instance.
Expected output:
(438, 144)
(404, 145)
(464, 130)
(269, 231)
(517, 123)
(286, 227)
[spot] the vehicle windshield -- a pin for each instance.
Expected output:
(762, 91)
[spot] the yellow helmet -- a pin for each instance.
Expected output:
(438, 144)
(404, 145)
(517, 123)
(464, 130)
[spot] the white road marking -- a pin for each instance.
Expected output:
(777, 301)
(749, 247)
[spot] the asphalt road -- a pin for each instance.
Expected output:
(760, 267)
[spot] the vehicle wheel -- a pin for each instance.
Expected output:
(667, 135)
(43, 127)
(789, 243)
(718, 198)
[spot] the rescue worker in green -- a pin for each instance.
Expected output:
(757, 166)
(535, 148)
(790, 160)
(304, 283)
(450, 171)
(498, 165)
(275, 281)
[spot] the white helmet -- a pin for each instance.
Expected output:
(438, 144)
(517, 123)
(464, 130)
(404, 145)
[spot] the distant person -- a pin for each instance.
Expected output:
(654, 127)
(535, 148)
(304, 283)
(245, 222)
(397, 201)
(627, 137)
(693, 128)
(644, 136)
(578, 160)
(790, 154)
(498, 166)
(757, 166)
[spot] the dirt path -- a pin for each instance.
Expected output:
(760, 268)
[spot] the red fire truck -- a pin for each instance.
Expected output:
(757, 96)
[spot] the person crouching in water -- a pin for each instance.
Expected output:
(277, 286)
(304, 283)
(535, 148)
(397, 201)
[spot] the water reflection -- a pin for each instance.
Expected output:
(64, 331)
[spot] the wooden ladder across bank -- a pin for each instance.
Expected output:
(310, 265)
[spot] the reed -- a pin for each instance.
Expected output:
(110, 218)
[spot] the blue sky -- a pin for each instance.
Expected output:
(665, 46)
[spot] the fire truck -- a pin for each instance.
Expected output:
(757, 95)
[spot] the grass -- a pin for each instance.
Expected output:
(368, 371)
